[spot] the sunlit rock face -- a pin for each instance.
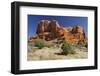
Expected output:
(52, 30)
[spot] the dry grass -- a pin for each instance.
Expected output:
(54, 54)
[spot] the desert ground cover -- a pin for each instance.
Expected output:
(55, 53)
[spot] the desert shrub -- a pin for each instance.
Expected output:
(67, 48)
(40, 43)
(86, 45)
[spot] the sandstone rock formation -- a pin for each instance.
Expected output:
(51, 30)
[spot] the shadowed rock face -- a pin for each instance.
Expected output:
(51, 30)
(42, 26)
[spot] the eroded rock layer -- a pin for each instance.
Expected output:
(53, 31)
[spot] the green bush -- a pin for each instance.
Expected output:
(86, 45)
(40, 43)
(67, 48)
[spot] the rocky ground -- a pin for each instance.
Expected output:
(54, 53)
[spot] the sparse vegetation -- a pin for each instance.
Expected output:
(40, 43)
(86, 45)
(67, 48)
(43, 50)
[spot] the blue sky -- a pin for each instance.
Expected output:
(65, 21)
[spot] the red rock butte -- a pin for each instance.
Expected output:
(53, 31)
